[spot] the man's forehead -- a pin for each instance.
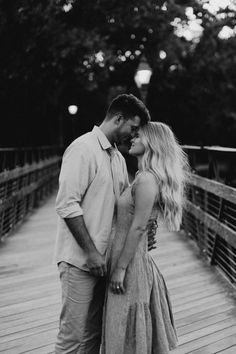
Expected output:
(135, 122)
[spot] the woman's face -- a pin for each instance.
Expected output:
(137, 148)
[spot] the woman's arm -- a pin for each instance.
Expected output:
(144, 197)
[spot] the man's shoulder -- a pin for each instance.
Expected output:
(86, 142)
(88, 139)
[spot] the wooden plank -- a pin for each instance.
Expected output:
(201, 315)
(30, 298)
(205, 302)
(201, 295)
(203, 341)
(214, 187)
(198, 291)
(200, 309)
(231, 350)
(31, 315)
(210, 329)
(24, 344)
(7, 339)
(218, 227)
(28, 305)
(206, 321)
(215, 347)
(47, 349)
(33, 319)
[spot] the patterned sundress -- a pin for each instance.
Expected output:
(139, 321)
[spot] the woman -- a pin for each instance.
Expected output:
(137, 314)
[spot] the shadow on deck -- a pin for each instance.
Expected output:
(204, 309)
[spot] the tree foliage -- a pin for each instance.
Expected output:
(58, 52)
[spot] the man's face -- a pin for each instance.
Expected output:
(127, 129)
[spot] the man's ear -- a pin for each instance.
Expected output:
(118, 118)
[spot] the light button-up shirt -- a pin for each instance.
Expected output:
(86, 188)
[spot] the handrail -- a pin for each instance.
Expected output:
(210, 148)
(23, 187)
(219, 189)
(12, 157)
(210, 219)
(214, 162)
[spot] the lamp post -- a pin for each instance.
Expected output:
(73, 110)
(142, 77)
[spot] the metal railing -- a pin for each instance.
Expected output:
(210, 211)
(27, 176)
(213, 162)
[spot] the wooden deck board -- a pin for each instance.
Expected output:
(205, 311)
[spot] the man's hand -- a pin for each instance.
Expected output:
(151, 230)
(96, 264)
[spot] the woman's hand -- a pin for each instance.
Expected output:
(117, 281)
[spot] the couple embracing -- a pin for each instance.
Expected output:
(114, 298)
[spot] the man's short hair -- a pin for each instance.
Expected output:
(129, 106)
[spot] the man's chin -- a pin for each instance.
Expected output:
(123, 148)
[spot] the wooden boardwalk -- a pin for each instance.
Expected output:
(203, 303)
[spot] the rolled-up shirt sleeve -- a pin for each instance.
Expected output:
(77, 172)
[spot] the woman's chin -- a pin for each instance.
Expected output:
(131, 152)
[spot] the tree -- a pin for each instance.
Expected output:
(58, 52)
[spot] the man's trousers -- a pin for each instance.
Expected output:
(81, 315)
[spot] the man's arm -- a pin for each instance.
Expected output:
(77, 171)
(95, 261)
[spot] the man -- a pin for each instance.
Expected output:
(93, 175)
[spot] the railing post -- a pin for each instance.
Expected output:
(214, 250)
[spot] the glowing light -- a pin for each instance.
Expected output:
(173, 67)
(189, 13)
(214, 5)
(226, 33)
(164, 7)
(162, 54)
(128, 53)
(73, 109)
(67, 7)
(99, 57)
(143, 73)
(122, 58)
(142, 77)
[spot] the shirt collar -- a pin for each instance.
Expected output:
(104, 142)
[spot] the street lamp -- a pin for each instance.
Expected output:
(142, 77)
(72, 109)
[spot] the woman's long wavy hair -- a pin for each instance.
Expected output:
(165, 158)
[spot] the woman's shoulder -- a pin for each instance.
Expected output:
(146, 177)
(145, 182)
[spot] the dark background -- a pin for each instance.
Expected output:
(48, 61)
